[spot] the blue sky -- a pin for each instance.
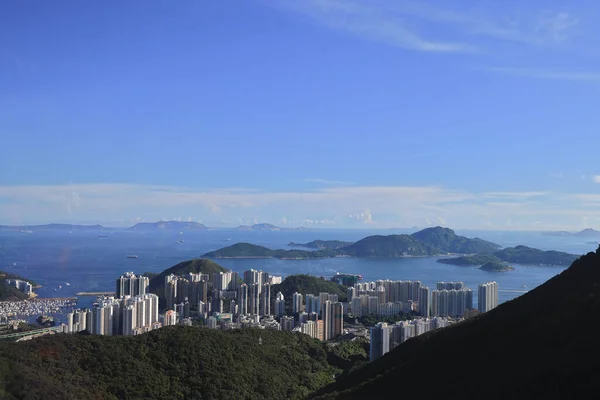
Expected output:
(337, 113)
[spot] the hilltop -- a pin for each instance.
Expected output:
(167, 225)
(521, 349)
(197, 265)
(518, 255)
(248, 250)
(391, 246)
(448, 241)
(174, 362)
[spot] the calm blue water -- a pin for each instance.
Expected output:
(90, 263)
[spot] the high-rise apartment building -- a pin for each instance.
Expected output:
(380, 340)
(129, 284)
(296, 302)
(451, 303)
(279, 305)
(487, 298)
(424, 302)
(243, 299)
(450, 285)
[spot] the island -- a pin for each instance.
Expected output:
(268, 227)
(496, 267)
(168, 225)
(517, 255)
(427, 242)
(248, 250)
(322, 244)
(586, 233)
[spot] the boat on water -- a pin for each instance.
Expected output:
(59, 286)
(132, 256)
(67, 283)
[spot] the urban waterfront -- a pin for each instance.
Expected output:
(65, 264)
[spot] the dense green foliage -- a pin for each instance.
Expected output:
(391, 246)
(448, 241)
(529, 256)
(496, 267)
(323, 244)
(347, 355)
(174, 362)
(522, 349)
(247, 250)
(477, 259)
(197, 265)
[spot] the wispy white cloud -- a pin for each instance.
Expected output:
(428, 27)
(355, 206)
(372, 20)
(587, 77)
(596, 178)
(327, 182)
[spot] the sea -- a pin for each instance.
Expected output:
(65, 263)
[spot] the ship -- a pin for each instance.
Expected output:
(67, 283)
(132, 256)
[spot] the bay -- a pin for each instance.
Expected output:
(91, 263)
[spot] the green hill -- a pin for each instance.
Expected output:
(530, 256)
(449, 242)
(521, 349)
(496, 267)
(174, 362)
(247, 250)
(391, 246)
(517, 255)
(197, 265)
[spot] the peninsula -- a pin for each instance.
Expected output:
(496, 267)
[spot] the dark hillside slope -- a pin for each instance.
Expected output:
(544, 344)
(174, 362)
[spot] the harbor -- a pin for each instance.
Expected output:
(35, 307)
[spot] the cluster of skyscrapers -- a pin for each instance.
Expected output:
(131, 312)
(449, 299)
(23, 286)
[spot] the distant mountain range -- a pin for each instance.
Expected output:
(428, 242)
(586, 233)
(174, 225)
